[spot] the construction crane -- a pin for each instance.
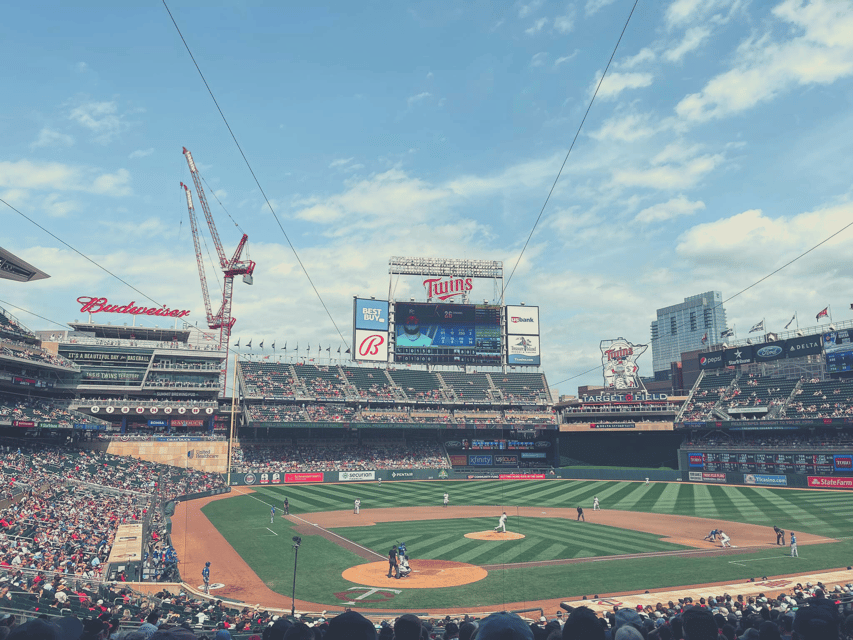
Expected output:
(222, 320)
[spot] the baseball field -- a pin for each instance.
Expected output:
(647, 536)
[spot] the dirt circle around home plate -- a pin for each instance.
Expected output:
(426, 574)
(495, 536)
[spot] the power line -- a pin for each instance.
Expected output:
(82, 255)
(568, 153)
(249, 166)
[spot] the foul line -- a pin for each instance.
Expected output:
(332, 533)
(757, 560)
(271, 531)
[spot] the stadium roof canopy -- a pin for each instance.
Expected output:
(125, 332)
(13, 268)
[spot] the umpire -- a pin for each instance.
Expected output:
(392, 563)
(780, 535)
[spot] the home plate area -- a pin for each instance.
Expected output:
(426, 574)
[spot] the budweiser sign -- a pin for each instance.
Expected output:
(91, 304)
(444, 289)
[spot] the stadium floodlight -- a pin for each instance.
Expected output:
(446, 267)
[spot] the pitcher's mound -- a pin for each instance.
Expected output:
(491, 535)
(426, 574)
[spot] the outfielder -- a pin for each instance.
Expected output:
(205, 575)
(446, 499)
(501, 523)
(272, 514)
(595, 506)
(356, 506)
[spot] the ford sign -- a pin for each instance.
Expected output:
(769, 351)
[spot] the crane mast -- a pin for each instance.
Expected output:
(222, 320)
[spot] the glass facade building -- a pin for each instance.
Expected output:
(681, 327)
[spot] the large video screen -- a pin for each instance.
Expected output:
(427, 333)
(838, 346)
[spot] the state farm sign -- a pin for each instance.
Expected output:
(91, 304)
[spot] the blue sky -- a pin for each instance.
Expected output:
(717, 150)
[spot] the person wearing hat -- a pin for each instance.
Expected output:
(580, 514)
(205, 575)
(503, 626)
(794, 552)
(780, 536)
(392, 563)
(350, 625)
(451, 631)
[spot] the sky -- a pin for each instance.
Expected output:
(716, 150)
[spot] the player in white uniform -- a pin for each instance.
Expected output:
(724, 538)
(501, 523)
(446, 499)
(595, 506)
(356, 506)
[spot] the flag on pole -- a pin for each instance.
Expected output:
(727, 333)
(273, 346)
(347, 351)
(339, 349)
(758, 326)
(794, 317)
(261, 346)
(249, 344)
(329, 348)
(238, 343)
(284, 348)
(705, 338)
(822, 314)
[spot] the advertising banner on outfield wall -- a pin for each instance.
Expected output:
(350, 476)
(712, 360)
(459, 461)
(371, 315)
(522, 321)
(738, 355)
(523, 350)
(303, 477)
(806, 346)
(695, 476)
(507, 460)
(696, 460)
(765, 480)
(370, 345)
(770, 351)
(480, 460)
(719, 478)
(522, 476)
(843, 462)
(830, 483)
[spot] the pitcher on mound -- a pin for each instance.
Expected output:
(501, 523)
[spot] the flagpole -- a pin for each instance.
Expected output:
(797, 318)
(829, 306)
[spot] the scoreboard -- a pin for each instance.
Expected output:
(838, 347)
(763, 462)
(459, 334)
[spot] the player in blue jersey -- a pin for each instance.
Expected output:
(205, 575)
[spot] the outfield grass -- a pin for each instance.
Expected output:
(243, 519)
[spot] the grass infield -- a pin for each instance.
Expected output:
(243, 521)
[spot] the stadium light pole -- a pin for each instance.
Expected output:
(296, 542)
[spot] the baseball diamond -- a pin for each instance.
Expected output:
(650, 536)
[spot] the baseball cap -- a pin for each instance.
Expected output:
(503, 626)
(350, 625)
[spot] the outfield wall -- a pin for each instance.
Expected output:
(199, 453)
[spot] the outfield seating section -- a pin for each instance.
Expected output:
(822, 399)
(16, 408)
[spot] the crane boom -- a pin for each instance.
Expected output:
(230, 268)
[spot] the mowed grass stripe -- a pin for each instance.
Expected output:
(685, 501)
(725, 505)
(748, 511)
(835, 513)
(629, 500)
(779, 510)
(703, 503)
(667, 499)
(653, 492)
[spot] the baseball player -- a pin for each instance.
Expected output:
(205, 575)
(501, 523)
(712, 535)
(595, 506)
(356, 506)
(392, 563)
(780, 536)
(794, 552)
(272, 514)
(286, 507)
(580, 514)
(725, 539)
(446, 499)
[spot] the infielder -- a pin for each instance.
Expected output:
(272, 514)
(794, 552)
(580, 514)
(595, 506)
(446, 499)
(501, 523)
(356, 506)
(724, 539)
(205, 575)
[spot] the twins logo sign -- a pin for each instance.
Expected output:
(371, 345)
(619, 363)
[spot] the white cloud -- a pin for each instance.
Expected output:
(412, 100)
(525, 10)
(340, 162)
(141, 153)
(594, 6)
(627, 128)
(615, 83)
(669, 176)
(25, 174)
(642, 56)
(537, 26)
(50, 138)
(538, 59)
(678, 206)
(220, 194)
(822, 54)
(81, 67)
(564, 24)
(682, 12)
(563, 59)
(57, 207)
(101, 118)
(693, 37)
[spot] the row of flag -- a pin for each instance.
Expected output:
(284, 348)
(759, 326)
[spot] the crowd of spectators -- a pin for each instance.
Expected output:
(75, 611)
(818, 440)
(19, 408)
(348, 456)
(24, 351)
